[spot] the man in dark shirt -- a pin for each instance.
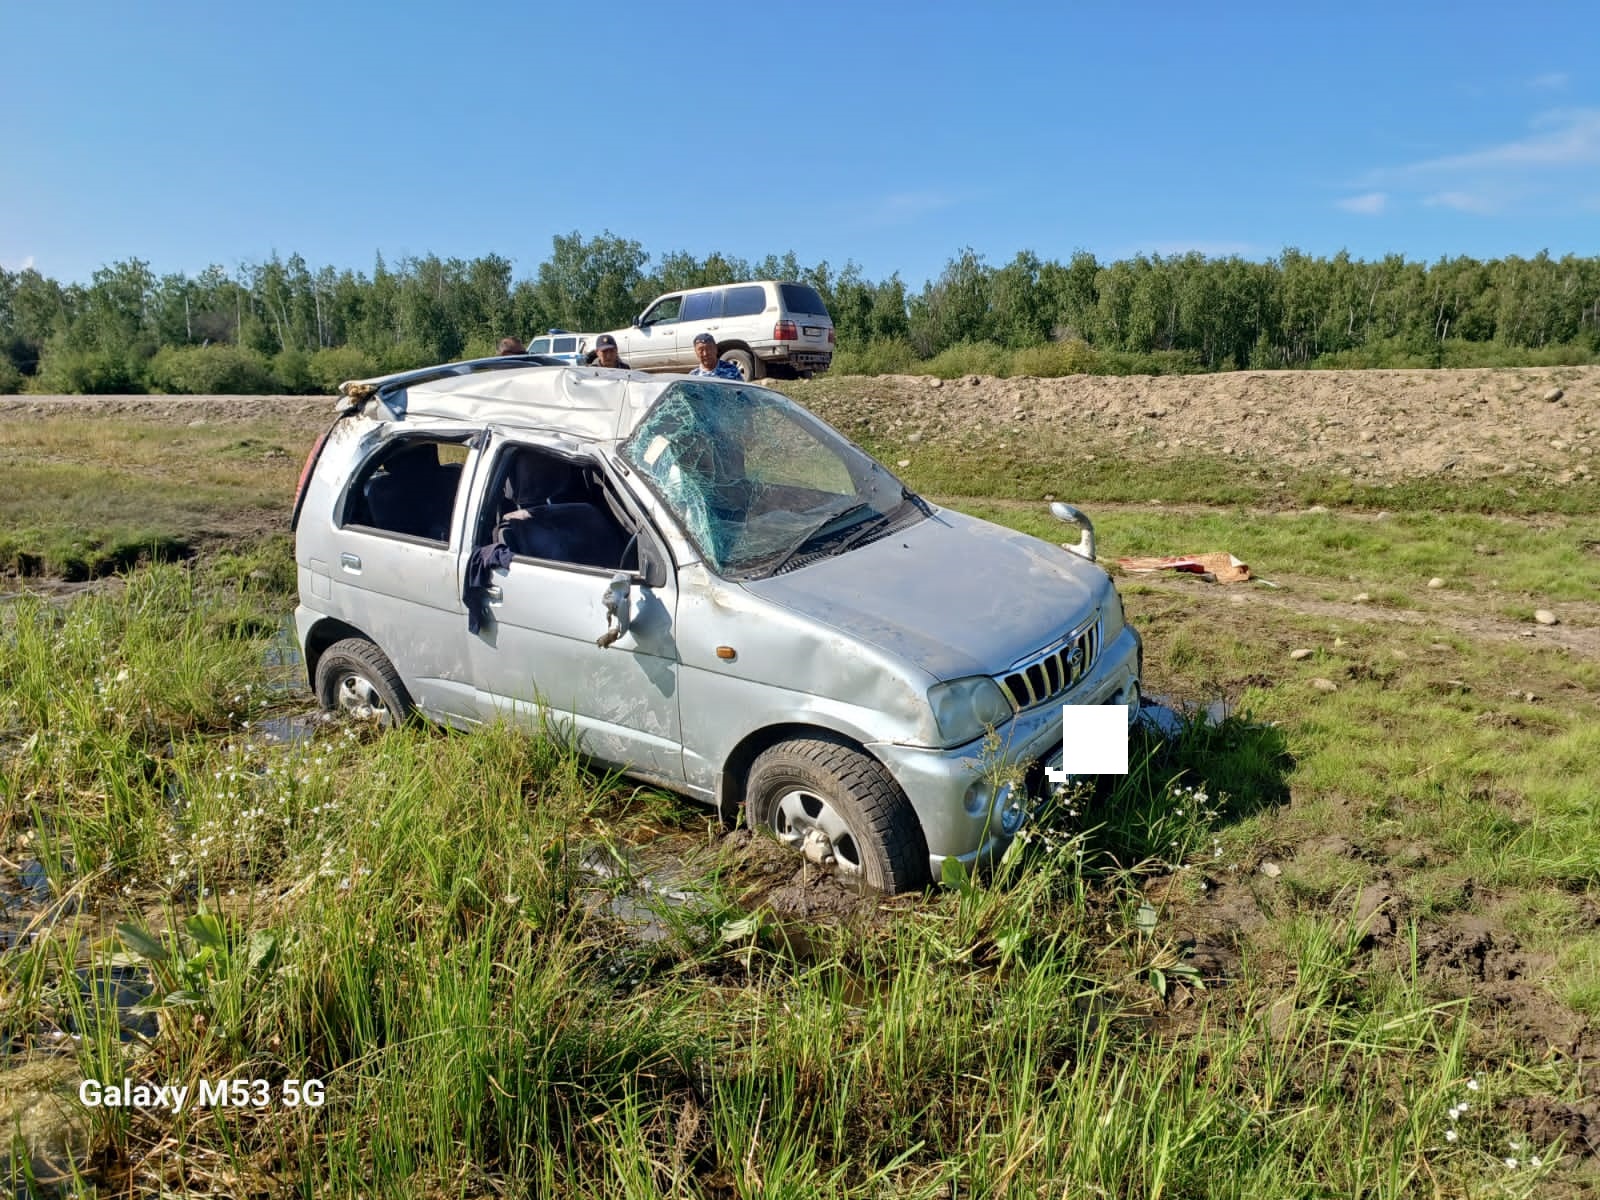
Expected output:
(705, 349)
(605, 353)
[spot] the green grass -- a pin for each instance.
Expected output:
(1028, 468)
(1474, 555)
(1130, 1005)
(86, 498)
(403, 918)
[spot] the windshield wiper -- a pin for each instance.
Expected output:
(867, 528)
(814, 533)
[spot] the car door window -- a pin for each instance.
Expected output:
(702, 306)
(546, 506)
(564, 345)
(663, 312)
(539, 346)
(408, 489)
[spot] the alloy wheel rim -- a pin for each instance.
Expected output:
(804, 820)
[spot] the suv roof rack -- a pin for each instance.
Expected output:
(355, 391)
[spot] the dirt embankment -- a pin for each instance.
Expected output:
(1367, 424)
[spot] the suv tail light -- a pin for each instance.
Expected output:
(305, 477)
(786, 331)
(830, 335)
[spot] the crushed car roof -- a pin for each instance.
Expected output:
(586, 402)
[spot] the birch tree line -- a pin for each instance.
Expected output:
(281, 325)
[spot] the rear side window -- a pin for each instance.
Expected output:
(798, 298)
(744, 301)
(703, 306)
(409, 488)
(564, 345)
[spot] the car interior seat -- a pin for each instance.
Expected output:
(571, 532)
(413, 493)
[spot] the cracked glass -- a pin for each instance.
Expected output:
(756, 481)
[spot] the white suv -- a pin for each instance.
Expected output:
(763, 328)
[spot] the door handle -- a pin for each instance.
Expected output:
(351, 562)
(494, 594)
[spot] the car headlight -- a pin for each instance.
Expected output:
(964, 708)
(1111, 619)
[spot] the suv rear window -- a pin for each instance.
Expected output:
(702, 306)
(798, 298)
(744, 301)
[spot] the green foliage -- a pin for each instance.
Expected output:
(66, 371)
(481, 347)
(592, 285)
(880, 356)
(1149, 314)
(1152, 362)
(968, 358)
(10, 378)
(408, 356)
(329, 368)
(292, 371)
(210, 371)
(1054, 359)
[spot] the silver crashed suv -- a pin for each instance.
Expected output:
(721, 593)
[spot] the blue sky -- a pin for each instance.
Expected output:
(194, 133)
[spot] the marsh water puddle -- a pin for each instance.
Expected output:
(292, 729)
(645, 889)
(1170, 716)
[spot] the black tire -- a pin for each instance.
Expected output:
(355, 677)
(812, 783)
(749, 365)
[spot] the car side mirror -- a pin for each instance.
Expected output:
(618, 603)
(1065, 512)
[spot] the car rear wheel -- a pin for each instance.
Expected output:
(842, 810)
(749, 366)
(355, 678)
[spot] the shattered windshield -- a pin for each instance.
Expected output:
(756, 481)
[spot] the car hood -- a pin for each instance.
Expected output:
(952, 594)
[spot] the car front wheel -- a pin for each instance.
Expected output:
(354, 677)
(842, 810)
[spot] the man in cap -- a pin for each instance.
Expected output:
(705, 349)
(605, 353)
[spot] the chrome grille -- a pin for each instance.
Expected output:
(1053, 672)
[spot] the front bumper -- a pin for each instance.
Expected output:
(954, 791)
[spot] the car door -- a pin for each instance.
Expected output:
(653, 345)
(542, 614)
(397, 538)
